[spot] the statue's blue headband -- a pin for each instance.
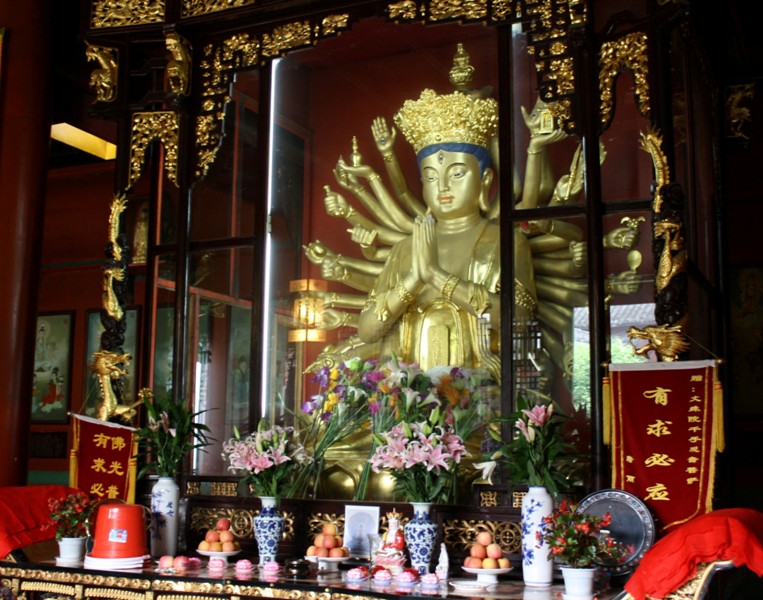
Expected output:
(480, 153)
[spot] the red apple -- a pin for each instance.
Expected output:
(329, 529)
(223, 524)
(322, 552)
(478, 551)
(181, 563)
(472, 563)
(166, 561)
(336, 552)
(329, 541)
(484, 538)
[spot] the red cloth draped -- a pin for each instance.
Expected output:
(734, 534)
(666, 426)
(25, 516)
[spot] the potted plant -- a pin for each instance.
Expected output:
(71, 516)
(172, 430)
(580, 542)
(531, 456)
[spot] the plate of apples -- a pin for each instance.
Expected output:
(219, 541)
(486, 559)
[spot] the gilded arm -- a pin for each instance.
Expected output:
(385, 140)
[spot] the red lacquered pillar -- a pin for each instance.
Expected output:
(24, 141)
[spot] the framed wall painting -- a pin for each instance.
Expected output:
(93, 342)
(51, 387)
(746, 360)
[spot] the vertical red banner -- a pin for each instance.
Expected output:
(102, 460)
(666, 425)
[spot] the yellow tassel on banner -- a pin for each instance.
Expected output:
(606, 410)
(74, 454)
(132, 471)
(718, 428)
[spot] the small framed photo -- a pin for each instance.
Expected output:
(51, 386)
(361, 530)
(93, 343)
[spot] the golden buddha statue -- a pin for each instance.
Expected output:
(436, 299)
(428, 272)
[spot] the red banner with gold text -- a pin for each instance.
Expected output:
(665, 427)
(102, 460)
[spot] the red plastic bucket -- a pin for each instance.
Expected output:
(120, 531)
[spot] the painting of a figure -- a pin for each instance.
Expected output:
(51, 375)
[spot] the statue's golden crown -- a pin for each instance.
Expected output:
(440, 119)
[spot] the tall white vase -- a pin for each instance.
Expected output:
(537, 568)
(164, 517)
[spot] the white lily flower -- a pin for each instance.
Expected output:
(487, 469)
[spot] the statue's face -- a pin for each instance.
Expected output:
(452, 184)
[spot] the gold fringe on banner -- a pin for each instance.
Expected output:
(606, 409)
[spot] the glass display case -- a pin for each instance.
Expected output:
(309, 224)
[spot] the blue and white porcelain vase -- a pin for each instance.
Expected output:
(164, 517)
(537, 569)
(268, 528)
(420, 537)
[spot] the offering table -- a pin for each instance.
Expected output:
(33, 580)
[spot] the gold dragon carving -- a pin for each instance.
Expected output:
(666, 340)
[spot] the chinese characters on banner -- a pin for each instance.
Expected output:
(664, 422)
(102, 461)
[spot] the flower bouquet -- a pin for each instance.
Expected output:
(339, 410)
(418, 456)
(171, 432)
(580, 540)
(269, 457)
(531, 456)
(71, 515)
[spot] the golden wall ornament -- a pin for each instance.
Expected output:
(440, 10)
(241, 51)
(738, 114)
(121, 13)
(194, 8)
(628, 52)
(103, 80)
(549, 24)
(179, 65)
(147, 127)
(201, 519)
(460, 534)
